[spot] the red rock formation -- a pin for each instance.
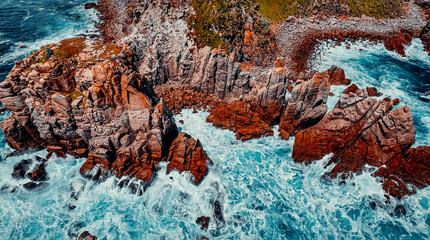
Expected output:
(409, 168)
(397, 43)
(203, 222)
(362, 130)
(248, 121)
(337, 76)
(82, 102)
(187, 154)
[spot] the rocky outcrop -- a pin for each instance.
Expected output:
(248, 103)
(306, 105)
(363, 131)
(406, 172)
(203, 222)
(87, 100)
(187, 154)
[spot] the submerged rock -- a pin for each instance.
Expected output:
(33, 186)
(21, 168)
(203, 222)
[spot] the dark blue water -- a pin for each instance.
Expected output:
(406, 78)
(35, 23)
(263, 193)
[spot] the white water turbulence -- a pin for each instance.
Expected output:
(369, 65)
(263, 194)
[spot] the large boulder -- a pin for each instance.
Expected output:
(187, 154)
(306, 105)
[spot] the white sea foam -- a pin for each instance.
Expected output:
(395, 76)
(263, 194)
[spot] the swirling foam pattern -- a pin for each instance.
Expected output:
(263, 194)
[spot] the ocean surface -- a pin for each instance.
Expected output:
(34, 23)
(263, 194)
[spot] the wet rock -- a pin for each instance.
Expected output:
(32, 186)
(306, 105)
(76, 188)
(203, 222)
(218, 212)
(397, 43)
(21, 168)
(187, 154)
(246, 120)
(39, 172)
(425, 37)
(337, 76)
(410, 167)
(351, 89)
(49, 53)
(90, 5)
(86, 236)
(373, 92)
(400, 210)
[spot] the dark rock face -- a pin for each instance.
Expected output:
(203, 222)
(90, 5)
(21, 168)
(39, 172)
(425, 37)
(82, 102)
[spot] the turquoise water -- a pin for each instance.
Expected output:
(263, 194)
(406, 78)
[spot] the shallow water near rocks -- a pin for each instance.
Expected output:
(262, 192)
(368, 65)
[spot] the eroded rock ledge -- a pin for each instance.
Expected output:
(86, 99)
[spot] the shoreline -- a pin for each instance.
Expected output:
(112, 103)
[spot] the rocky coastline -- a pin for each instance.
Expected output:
(111, 101)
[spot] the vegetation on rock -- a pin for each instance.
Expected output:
(222, 22)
